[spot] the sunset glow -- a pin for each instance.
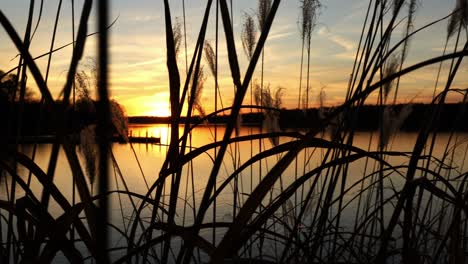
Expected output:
(233, 131)
(139, 78)
(155, 105)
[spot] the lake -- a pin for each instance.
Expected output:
(195, 175)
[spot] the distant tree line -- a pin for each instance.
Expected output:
(366, 118)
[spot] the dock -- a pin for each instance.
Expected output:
(145, 140)
(49, 139)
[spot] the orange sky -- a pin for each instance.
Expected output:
(139, 78)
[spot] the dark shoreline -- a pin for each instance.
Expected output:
(36, 120)
(453, 118)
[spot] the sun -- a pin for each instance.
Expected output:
(155, 108)
(160, 111)
(157, 105)
(148, 106)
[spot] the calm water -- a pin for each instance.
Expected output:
(151, 158)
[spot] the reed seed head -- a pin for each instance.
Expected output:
(264, 7)
(264, 97)
(249, 35)
(197, 104)
(322, 98)
(308, 17)
(177, 33)
(89, 150)
(459, 19)
(390, 69)
(397, 4)
(119, 119)
(392, 122)
(210, 57)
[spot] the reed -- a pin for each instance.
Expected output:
(249, 35)
(307, 23)
(401, 206)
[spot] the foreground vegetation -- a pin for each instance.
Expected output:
(405, 206)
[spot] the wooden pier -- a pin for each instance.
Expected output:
(145, 140)
(48, 139)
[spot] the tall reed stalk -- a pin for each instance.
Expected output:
(321, 199)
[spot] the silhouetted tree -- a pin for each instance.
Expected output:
(10, 86)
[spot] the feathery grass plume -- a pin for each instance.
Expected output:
(278, 100)
(88, 149)
(308, 17)
(264, 7)
(397, 6)
(304, 19)
(271, 125)
(392, 122)
(304, 101)
(288, 213)
(459, 18)
(85, 106)
(335, 127)
(249, 35)
(407, 37)
(119, 119)
(258, 94)
(197, 104)
(210, 57)
(409, 27)
(390, 69)
(264, 97)
(83, 85)
(307, 24)
(322, 97)
(86, 79)
(177, 31)
(91, 65)
(307, 20)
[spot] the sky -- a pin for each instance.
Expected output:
(138, 73)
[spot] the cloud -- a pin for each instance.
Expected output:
(442, 49)
(356, 10)
(282, 32)
(346, 47)
(280, 35)
(148, 62)
(146, 18)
